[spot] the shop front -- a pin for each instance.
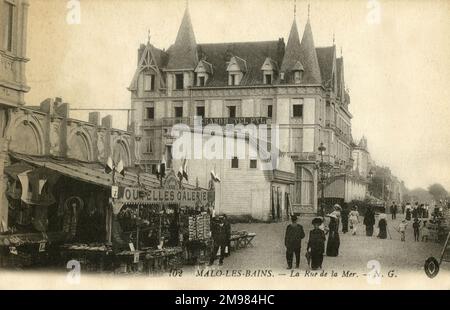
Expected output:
(63, 209)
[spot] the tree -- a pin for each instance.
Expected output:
(437, 191)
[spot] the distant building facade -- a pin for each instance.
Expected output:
(13, 85)
(296, 86)
(47, 129)
(362, 161)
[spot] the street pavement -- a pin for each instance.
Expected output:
(355, 252)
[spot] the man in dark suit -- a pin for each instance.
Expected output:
(220, 240)
(293, 242)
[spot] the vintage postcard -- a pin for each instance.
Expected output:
(226, 144)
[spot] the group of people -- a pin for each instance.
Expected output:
(317, 238)
(316, 247)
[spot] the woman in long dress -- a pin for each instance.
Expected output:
(333, 236)
(369, 221)
(316, 244)
(354, 220)
(382, 226)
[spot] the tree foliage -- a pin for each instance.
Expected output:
(437, 191)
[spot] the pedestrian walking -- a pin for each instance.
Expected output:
(416, 228)
(402, 229)
(391, 210)
(344, 216)
(394, 211)
(408, 212)
(293, 242)
(403, 208)
(425, 232)
(382, 226)
(354, 220)
(219, 236)
(316, 244)
(369, 221)
(333, 242)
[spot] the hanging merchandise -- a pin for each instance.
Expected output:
(199, 227)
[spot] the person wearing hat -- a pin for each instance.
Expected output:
(344, 216)
(382, 226)
(369, 221)
(354, 220)
(316, 244)
(219, 236)
(333, 242)
(293, 242)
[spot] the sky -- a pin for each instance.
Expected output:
(396, 57)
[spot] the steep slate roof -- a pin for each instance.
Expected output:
(161, 57)
(308, 57)
(254, 53)
(325, 57)
(292, 53)
(183, 54)
(339, 77)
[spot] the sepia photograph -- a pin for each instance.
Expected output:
(225, 144)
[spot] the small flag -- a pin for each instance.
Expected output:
(161, 171)
(182, 172)
(214, 176)
(119, 168)
(109, 165)
(25, 182)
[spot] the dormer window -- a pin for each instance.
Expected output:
(236, 70)
(298, 77)
(201, 81)
(268, 69)
(203, 71)
(149, 82)
(179, 81)
(298, 72)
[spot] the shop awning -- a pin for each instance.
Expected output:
(93, 173)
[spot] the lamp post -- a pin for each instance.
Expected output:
(322, 150)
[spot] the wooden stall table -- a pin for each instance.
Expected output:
(241, 239)
(130, 261)
(92, 257)
(161, 260)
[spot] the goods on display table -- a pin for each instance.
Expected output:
(26, 250)
(92, 257)
(149, 260)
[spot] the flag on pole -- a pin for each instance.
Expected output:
(161, 170)
(119, 168)
(24, 181)
(109, 165)
(182, 172)
(214, 176)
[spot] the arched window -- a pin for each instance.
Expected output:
(120, 151)
(78, 147)
(25, 139)
(304, 186)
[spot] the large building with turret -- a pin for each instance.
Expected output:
(294, 85)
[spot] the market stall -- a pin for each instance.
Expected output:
(160, 228)
(128, 223)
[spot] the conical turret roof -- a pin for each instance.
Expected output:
(308, 57)
(183, 54)
(292, 51)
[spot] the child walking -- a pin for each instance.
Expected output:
(402, 229)
(425, 232)
(416, 228)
